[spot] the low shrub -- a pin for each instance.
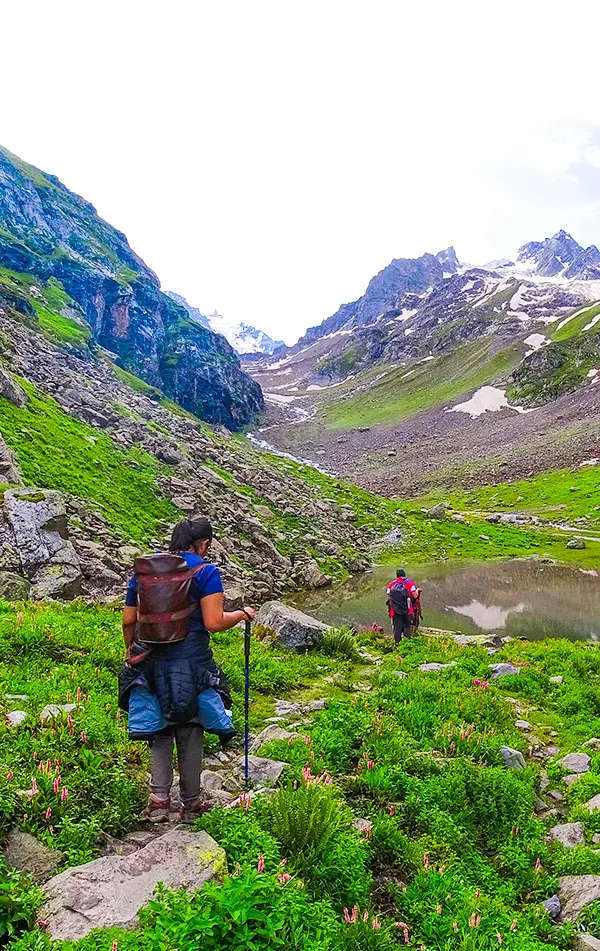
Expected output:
(20, 899)
(304, 820)
(340, 642)
(242, 837)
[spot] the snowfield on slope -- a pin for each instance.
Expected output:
(487, 399)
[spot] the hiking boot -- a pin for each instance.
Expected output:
(193, 811)
(156, 811)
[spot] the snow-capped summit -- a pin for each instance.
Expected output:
(560, 256)
(243, 338)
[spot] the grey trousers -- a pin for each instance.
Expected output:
(188, 740)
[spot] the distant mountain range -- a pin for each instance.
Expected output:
(244, 339)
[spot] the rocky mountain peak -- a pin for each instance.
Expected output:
(246, 340)
(448, 260)
(560, 256)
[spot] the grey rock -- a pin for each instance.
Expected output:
(433, 667)
(210, 781)
(523, 725)
(24, 853)
(557, 680)
(512, 759)
(38, 520)
(572, 778)
(593, 804)
(52, 710)
(284, 708)
(553, 907)
(14, 587)
(10, 474)
(400, 674)
(293, 629)
(569, 834)
(593, 743)
(575, 892)
(314, 577)
(556, 795)
(11, 391)
(16, 717)
(503, 670)
(576, 762)
(270, 733)
(233, 599)
(261, 770)
(576, 543)
(596, 838)
(438, 511)
(313, 706)
(585, 942)
(110, 891)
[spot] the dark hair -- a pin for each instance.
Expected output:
(400, 573)
(188, 531)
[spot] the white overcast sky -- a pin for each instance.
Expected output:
(267, 157)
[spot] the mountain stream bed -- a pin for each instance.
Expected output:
(518, 598)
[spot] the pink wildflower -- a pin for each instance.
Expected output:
(307, 740)
(83, 737)
(513, 925)
(48, 812)
(392, 810)
(438, 909)
(354, 913)
(34, 788)
(69, 720)
(426, 861)
(499, 937)
(347, 918)
(404, 926)
(261, 864)
(478, 893)
(476, 681)
(376, 924)
(78, 695)
(64, 794)
(283, 863)
(290, 741)
(366, 916)
(370, 764)
(114, 946)
(10, 774)
(538, 866)
(118, 715)
(284, 877)
(56, 784)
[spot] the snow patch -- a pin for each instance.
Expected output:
(487, 399)
(405, 315)
(535, 341)
(592, 322)
(409, 331)
(577, 313)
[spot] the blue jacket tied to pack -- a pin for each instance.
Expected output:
(177, 683)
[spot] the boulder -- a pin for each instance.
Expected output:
(24, 853)
(210, 781)
(575, 892)
(110, 891)
(557, 680)
(434, 667)
(576, 762)
(14, 587)
(38, 520)
(512, 759)
(15, 717)
(11, 391)
(585, 942)
(593, 804)
(261, 770)
(571, 778)
(314, 577)
(523, 725)
(569, 834)
(577, 543)
(293, 629)
(593, 744)
(233, 598)
(553, 907)
(438, 511)
(10, 474)
(284, 708)
(503, 670)
(270, 733)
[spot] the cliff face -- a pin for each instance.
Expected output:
(50, 233)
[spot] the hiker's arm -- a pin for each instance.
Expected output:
(216, 619)
(129, 622)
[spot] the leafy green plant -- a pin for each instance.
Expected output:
(20, 898)
(305, 820)
(242, 837)
(340, 642)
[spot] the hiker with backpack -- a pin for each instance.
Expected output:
(170, 684)
(404, 605)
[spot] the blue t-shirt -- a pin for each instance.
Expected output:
(208, 581)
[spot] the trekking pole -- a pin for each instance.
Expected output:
(246, 698)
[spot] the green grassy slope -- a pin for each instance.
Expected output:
(575, 325)
(405, 391)
(56, 451)
(51, 306)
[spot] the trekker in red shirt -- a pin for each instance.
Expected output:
(404, 605)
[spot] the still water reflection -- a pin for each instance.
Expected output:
(520, 598)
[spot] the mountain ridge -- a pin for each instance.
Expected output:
(246, 340)
(93, 290)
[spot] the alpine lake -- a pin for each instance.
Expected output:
(517, 598)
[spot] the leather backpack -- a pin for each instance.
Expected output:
(164, 582)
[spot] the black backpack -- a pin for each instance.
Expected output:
(399, 598)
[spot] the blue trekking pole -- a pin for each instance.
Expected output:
(247, 698)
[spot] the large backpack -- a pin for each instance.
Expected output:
(164, 582)
(399, 598)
